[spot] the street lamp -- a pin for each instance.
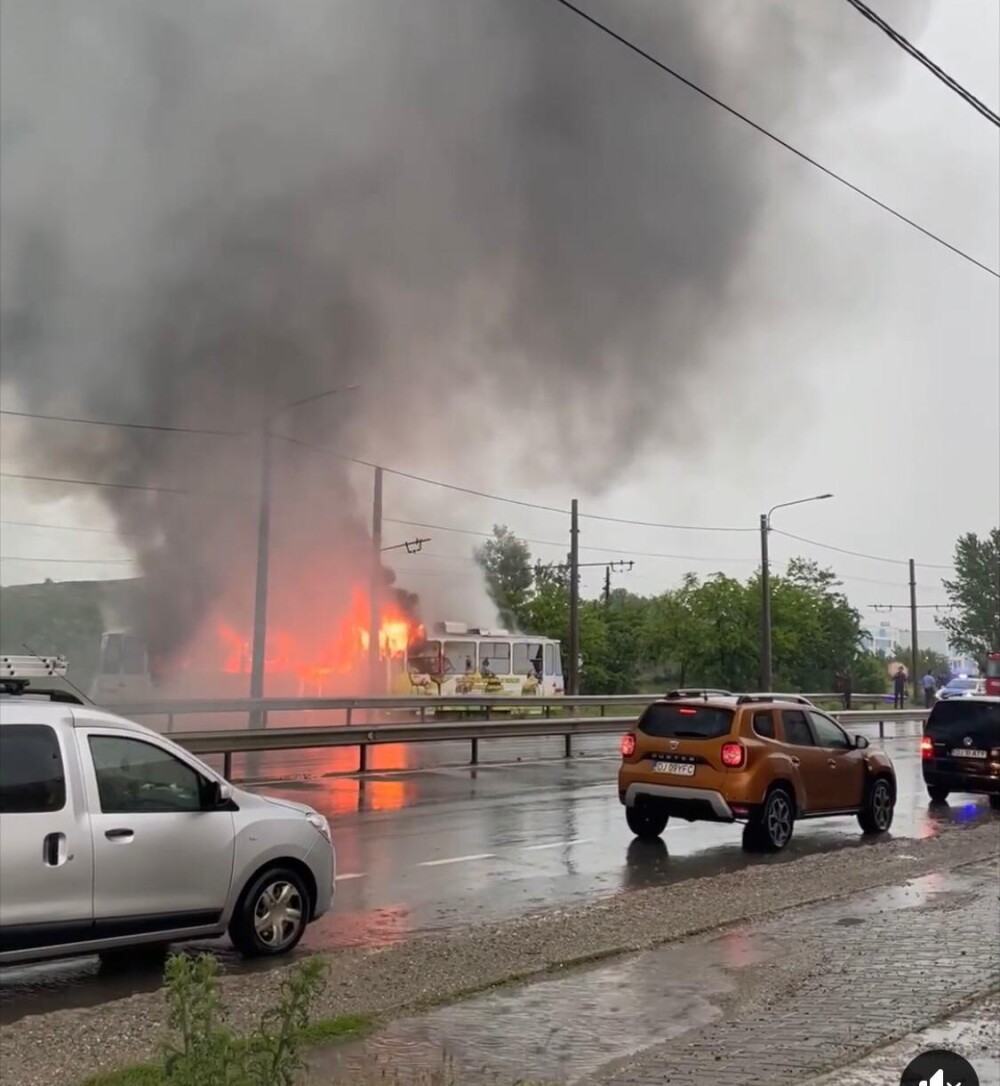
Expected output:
(765, 588)
(264, 547)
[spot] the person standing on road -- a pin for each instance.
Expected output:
(899, 689)
(930, 686)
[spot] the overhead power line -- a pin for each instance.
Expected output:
(92, 482)
(953, 84)
(605, 29)
(120, 425)
(857, 554)
(62, 527)
(73, 561)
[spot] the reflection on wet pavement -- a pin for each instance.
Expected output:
(445, 847)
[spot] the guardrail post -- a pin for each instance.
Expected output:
(363, 758)
(881, 729)
(347, 716)
(423, 714)
(170, 722)
(602, 709)
(227, 764)
(475, 752)
(263, 718)
(569, 745)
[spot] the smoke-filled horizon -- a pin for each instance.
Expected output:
(514, 236)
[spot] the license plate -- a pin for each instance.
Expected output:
(961, 752)
(678, 769)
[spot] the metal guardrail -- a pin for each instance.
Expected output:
(229, 742)
(422, 705)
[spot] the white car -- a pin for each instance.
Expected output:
(113, 836)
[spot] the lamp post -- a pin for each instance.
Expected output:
(765, 588)
(264, 548)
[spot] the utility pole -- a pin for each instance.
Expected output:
(607, 585)
(765, 607)
(914, 649)
(260, 591)
(374, 622)
(574, 599)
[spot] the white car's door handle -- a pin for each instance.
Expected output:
(119, 835)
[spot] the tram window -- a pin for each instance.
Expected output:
(558, 654)
(458, 655)
(550, 660)
(425, 659)
(527, 658)
(494, 656)
(134, 656)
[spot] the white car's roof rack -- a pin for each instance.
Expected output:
(21, 675)
(32, 667)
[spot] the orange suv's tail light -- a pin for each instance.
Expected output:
(628, 745)
(926, 746)
(733, 755)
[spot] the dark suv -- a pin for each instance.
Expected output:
(960, 748)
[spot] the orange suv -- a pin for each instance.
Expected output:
(761, 759)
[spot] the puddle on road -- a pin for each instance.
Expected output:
(934, 889)
(561, 1029)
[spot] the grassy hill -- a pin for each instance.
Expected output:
(65, 617)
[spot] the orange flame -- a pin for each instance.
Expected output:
(340, 652)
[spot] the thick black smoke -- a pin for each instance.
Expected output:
(516, 236)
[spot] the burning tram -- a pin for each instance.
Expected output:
(452, 660)
(455, 659)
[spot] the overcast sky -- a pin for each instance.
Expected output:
(872, 371)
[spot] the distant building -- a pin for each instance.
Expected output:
(882, 637)
(937, 641)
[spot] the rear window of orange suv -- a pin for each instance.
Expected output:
(686, 721)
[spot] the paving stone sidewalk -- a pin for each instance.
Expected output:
(973, 1032)
(776, 1002)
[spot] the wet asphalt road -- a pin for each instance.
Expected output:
(441, 845)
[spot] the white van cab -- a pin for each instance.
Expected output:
(113, 836)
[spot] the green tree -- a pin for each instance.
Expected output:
(816, 633)
(974, 624)
(506, 562)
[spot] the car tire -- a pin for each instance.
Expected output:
(647, 823)
(880, 804)
(771, 826)
(937, 793)
(271, 915)
(995, 802)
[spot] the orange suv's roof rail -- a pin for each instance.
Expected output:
(699, 692)
(795, 699)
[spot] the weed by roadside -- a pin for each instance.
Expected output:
(202, 1050)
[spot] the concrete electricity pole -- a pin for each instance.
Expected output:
(915, 677)
(375, 590)
(264, 548)
(574, 600)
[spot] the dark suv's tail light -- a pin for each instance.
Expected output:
(926, 747)
(628, 745)
(733, 755)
